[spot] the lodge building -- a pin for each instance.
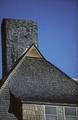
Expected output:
(32, 88)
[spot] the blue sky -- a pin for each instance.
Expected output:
(57, 29)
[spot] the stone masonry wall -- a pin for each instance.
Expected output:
(17, 36)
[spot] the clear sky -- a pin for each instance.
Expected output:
(57, 29)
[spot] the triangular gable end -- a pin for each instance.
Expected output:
(33, 52)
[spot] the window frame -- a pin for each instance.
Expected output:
(53, 115)
(70, 116)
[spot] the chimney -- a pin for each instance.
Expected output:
(17, 36)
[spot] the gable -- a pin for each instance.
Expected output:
(37, 80)
(33, 52)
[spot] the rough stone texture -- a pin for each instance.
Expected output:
(17, 36)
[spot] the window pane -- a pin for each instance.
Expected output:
(70, 111)
(50, 110)
(50, 117)
(71, 118)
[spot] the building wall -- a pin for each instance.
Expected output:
(49, 112)
(17, 36)
(33, 112)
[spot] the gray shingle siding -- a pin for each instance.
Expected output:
(5, 104)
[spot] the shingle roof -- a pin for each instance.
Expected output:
(35, 79)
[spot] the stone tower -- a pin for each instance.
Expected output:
(17, 37)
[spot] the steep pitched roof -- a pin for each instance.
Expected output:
(35, 79)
